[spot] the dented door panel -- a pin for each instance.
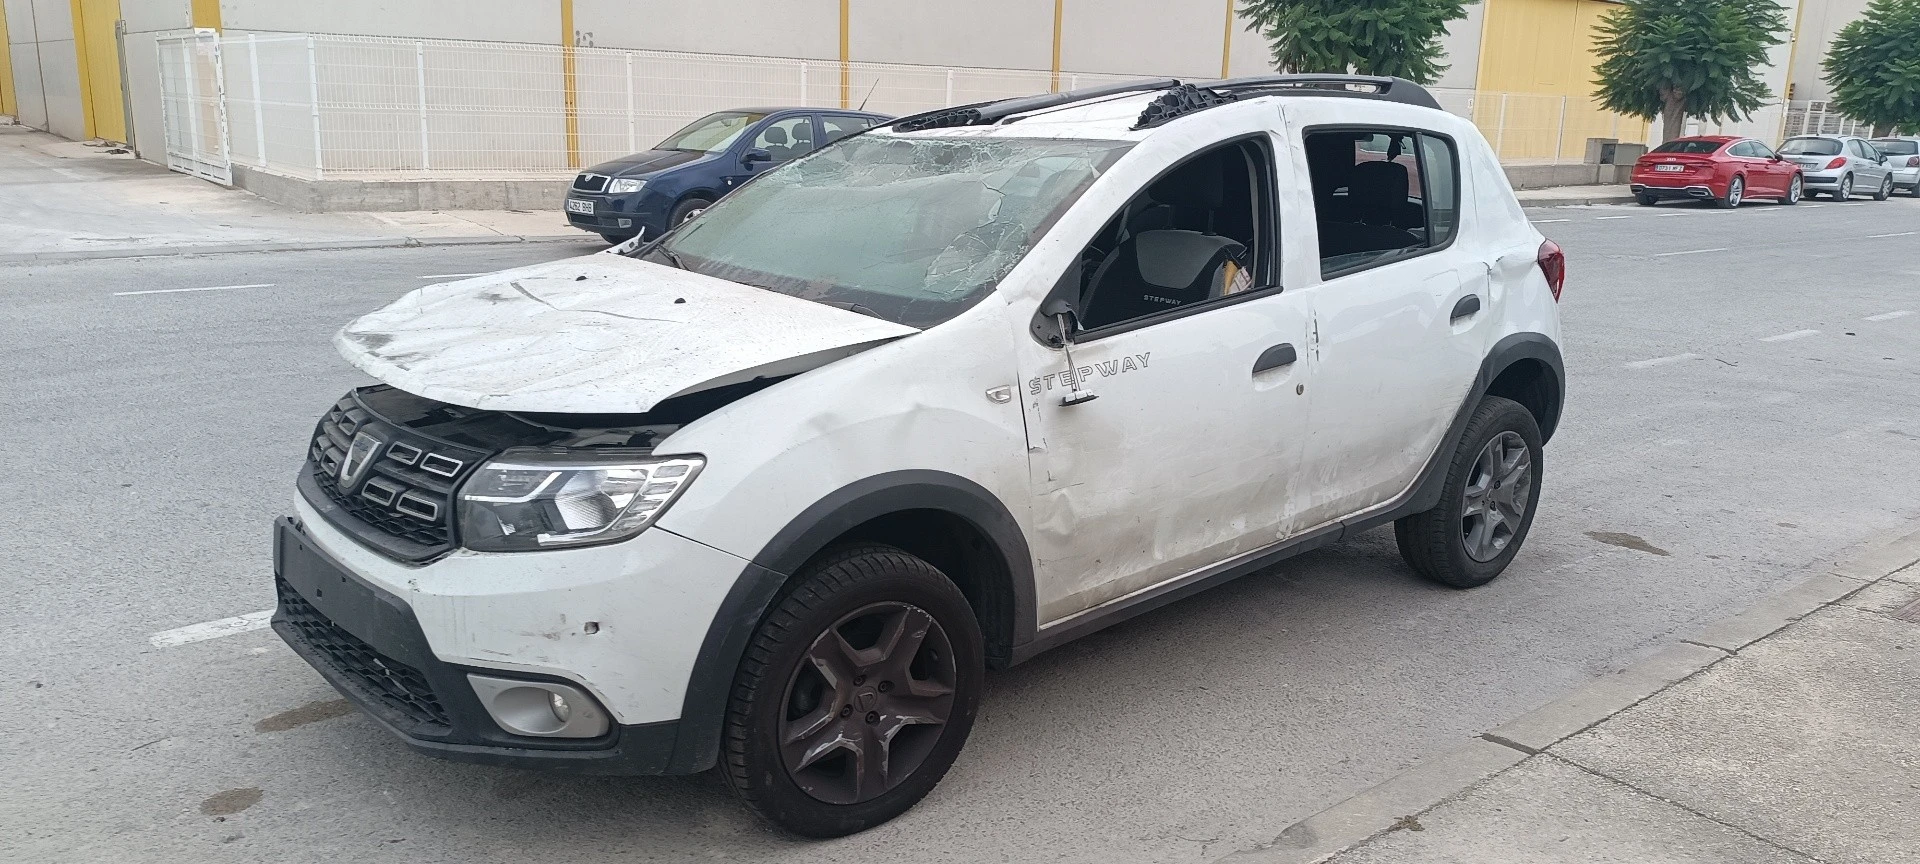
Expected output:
(1184, 458)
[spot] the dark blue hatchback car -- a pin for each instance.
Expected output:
(647, 193)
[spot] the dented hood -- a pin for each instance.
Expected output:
(597, 334)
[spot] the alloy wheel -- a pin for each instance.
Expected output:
(1795, 189)
(867, 703)
(1846, 188)
(1499, 488)
(1736, 191)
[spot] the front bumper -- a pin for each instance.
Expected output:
(405, 661)
(635, 209)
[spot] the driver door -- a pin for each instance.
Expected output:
(784, 139)
(1162, 440)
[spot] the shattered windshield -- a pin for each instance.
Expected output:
(911, 230)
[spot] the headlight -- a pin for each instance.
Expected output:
(549, 499)
(623, 185)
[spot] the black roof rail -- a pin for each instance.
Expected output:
(981, 113)
(1391, 89)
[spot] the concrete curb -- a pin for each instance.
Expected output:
(286, 246)
(1377, 810)
(1574, 202)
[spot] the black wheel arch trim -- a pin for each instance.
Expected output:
(762, 580)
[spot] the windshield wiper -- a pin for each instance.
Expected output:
(851, 307)
(672, 258)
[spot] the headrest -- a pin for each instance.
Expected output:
(775, 135)
(1197, 185)
(1174, 259)
(1378, 181)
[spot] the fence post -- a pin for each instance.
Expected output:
(193, 100)
(949, 99)
(630, 130)
(1500, 132)
(1560, 136)
(420, 75)
(803, 83)
(313, 103)
(259, 102)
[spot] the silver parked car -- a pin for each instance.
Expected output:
(1903, 154)
(1840, 165)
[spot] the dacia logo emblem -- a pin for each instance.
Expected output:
(359, 456)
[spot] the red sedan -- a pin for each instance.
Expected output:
(1717, 168)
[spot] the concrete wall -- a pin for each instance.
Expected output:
(1819, 22)
(147, 20)
(46, 73)
(791, 28)
(485, 20)
(1462, 44)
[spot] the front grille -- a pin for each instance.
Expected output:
(405, 489)
(590, 182)
(396, 685)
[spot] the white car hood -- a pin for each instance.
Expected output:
(598, 334)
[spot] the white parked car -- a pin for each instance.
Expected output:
(771, 493)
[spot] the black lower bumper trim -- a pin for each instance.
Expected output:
(381, 633)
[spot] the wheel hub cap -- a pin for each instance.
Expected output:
(1498, 492)
(867, 702)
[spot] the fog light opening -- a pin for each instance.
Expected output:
(541, 709)
(561, 710)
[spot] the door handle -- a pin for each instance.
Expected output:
(1468, 305)
(1276, 357)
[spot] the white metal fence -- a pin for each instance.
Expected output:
(359, 107)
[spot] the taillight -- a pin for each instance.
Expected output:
(1838, 162)
(1913, 161)
(1553, 263)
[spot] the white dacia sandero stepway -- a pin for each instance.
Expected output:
(771, 492)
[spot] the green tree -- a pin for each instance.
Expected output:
(1674, 59)
(1368, 37)
(1874, 66)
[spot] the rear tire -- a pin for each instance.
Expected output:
(1845, 192)
(1646, 200)
(858, 613)
(1736, 193)
(1796, 189)
(1486, 508)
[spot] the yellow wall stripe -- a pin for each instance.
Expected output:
(8, 101)
(206, 13)
(846, 57)
(1059, 12)
(1226, 43)
(84, 68)
(568, 72)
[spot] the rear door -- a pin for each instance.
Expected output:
(1402, 315)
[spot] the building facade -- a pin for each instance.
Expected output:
(1522, 69)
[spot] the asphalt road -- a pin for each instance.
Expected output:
(1745, 406)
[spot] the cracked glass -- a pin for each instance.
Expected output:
(912, 230)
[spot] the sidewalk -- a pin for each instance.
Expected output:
(1567, 196)
(1788, 733)
(61, 200)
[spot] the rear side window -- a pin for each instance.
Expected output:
(1697, 147)
(1810, 147)
(838, 126)
(1381, 195)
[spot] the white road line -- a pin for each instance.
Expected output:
(1661, 361)
(1901, 234)
(187, 290)
(1789, 337)
(1889, 316)
(1549, 221)
(1852, 204)
(212, 629)
(1811, 206)
(1602, 218)
(1669, 215)
(450, 275)
(1691, 252)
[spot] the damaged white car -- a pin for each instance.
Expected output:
(771, 493)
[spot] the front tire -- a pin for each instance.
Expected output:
(1886, 189)
(1487, 506)
(1736, 192)
(855, 695)
(686, 210)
